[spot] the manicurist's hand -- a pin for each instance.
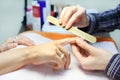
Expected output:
(90, 58)
(74, 16)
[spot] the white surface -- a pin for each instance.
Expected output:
(43, 72)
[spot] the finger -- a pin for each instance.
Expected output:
(9, 40)
(59, 53)
(25, 42)
(84, 45)
(69, 14)
(67, 41)
(67, 56)
(80, 50)
(11, 45)
(58, 63)
(28, 43)
(62, 56)
(77, 54)
(31, 42)
(73, 19)
(22, 40)
(62, 15)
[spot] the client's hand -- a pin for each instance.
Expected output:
(90, 58)
(13, 42)
(53, 52)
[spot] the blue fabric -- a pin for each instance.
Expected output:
(104, 22)
(113, 68)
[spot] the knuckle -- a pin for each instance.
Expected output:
(76, 16)
(66, 8)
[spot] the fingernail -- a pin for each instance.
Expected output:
(60, 23)
(63, 26)
(67, 27)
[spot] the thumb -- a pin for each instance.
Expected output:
(84, 45)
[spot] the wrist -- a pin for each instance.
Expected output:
(31, 55)
(106, 61)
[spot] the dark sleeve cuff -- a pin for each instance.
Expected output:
(92, 22)
(113, 67)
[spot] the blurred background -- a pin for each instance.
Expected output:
(12, 12)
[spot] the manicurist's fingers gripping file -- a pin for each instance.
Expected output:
(74, 30)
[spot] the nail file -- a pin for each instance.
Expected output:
(74, 30)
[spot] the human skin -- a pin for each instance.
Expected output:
(14, 42)
(50, 52)
(73, 16)
(90, 57)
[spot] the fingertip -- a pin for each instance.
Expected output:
(66, 68)
(67, 26)
(63, 25)
(78, 41)
(67, 63)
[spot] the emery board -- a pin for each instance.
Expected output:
(74, 30)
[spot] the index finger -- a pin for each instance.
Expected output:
(68, 41)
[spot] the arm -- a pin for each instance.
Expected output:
(106, 21)
(45, 53)
(92, 23)
(13, 59)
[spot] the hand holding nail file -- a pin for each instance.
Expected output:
(74, 30)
